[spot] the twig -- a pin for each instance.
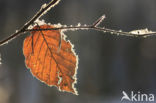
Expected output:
(94, 26)
(98, 21)
(31, 21)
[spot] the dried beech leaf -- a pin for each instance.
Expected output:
(50, 64)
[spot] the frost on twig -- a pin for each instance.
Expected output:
(46, 7)
(37, 21)
(142, 32)
(22, 30)
(95, 26)
(98, 21)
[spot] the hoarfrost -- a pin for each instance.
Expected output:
(99, 20)
(37, 21)
(141, 31)
(45, 5)
(79, 24)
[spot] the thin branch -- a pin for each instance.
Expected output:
(94, 26)
(98, 21)
(31, 21)
(89, 27)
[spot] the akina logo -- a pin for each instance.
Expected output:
(137, 97)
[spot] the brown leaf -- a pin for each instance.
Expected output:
(50, 65)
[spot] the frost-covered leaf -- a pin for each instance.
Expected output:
(50, 63)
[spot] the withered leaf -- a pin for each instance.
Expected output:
(47, 63)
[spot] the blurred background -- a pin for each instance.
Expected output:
(108, 65)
